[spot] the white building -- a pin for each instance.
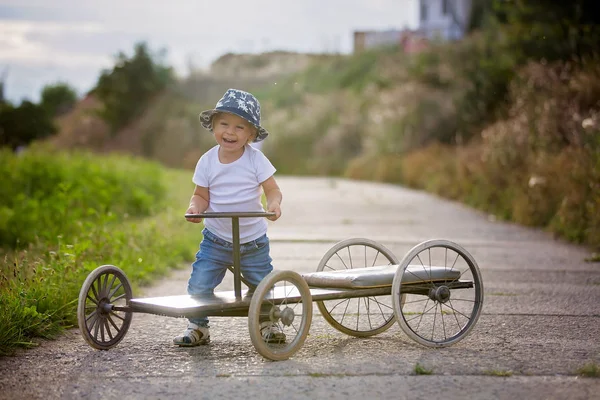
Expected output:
(444, 19)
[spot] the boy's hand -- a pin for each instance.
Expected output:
(275, 208)
(193, 210)
(273, 195)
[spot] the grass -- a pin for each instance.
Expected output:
(324, 375)
(40, 283)
(498, 372)
(421, 370)
(595, 257)
(589, 370)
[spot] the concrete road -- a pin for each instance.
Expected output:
(540, 321)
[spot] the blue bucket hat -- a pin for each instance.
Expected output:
(240, 103)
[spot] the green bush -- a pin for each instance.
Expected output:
(46, 193)
(79, 228)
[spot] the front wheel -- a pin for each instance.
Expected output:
(282, 299)
(100, 324)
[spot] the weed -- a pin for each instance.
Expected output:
(595, 257)
(324, 375)
(498, 372)
(40, 283)
(590, 370)
(421, 370)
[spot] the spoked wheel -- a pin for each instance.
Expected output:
(101, 325)
(282, 299)
(443, 293)
(362, 316)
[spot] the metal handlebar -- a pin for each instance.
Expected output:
(235, 233)
(242, 214)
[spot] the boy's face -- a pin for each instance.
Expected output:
(232, 132)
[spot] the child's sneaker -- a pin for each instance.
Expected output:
(271, 333)
(194, 335)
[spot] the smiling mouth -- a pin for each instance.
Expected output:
(229, 140)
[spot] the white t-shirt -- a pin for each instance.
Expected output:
(234, 187)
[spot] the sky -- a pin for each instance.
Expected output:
(48, 41)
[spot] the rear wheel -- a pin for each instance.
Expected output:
(437, 307)
(361, 316)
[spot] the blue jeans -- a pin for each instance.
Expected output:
(213, 258)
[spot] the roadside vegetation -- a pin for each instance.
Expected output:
(422, 370)
(62, 215)
(506, 120)
(589, 370)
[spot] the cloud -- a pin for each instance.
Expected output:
(26, 42)
(77, 38)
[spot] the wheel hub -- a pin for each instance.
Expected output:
(440, 293)
(104, 306)
(287, 316)
(274, 314)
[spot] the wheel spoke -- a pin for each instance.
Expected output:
(434, 318)
(456, 311)
(374, 260)
(443, 321)
(368, 308)
(103, 289)
(380, 304)
(357, 313)
(345, 311)
(93, 288)
(350, 258)
(424, 267)
(94, 320)
(114, 314)
(96, 327)
(117, 298)
(342, 260)
(330, 267)
(112, 292)
(92, 300)
(108, 329)
(102, 330)
(110, 285)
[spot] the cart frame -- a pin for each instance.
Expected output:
(106, 302)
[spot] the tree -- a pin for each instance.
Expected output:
(549, 29)
(552, 29)
(58, 98)
(126, 90)
(2, 80)
(21, 125)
